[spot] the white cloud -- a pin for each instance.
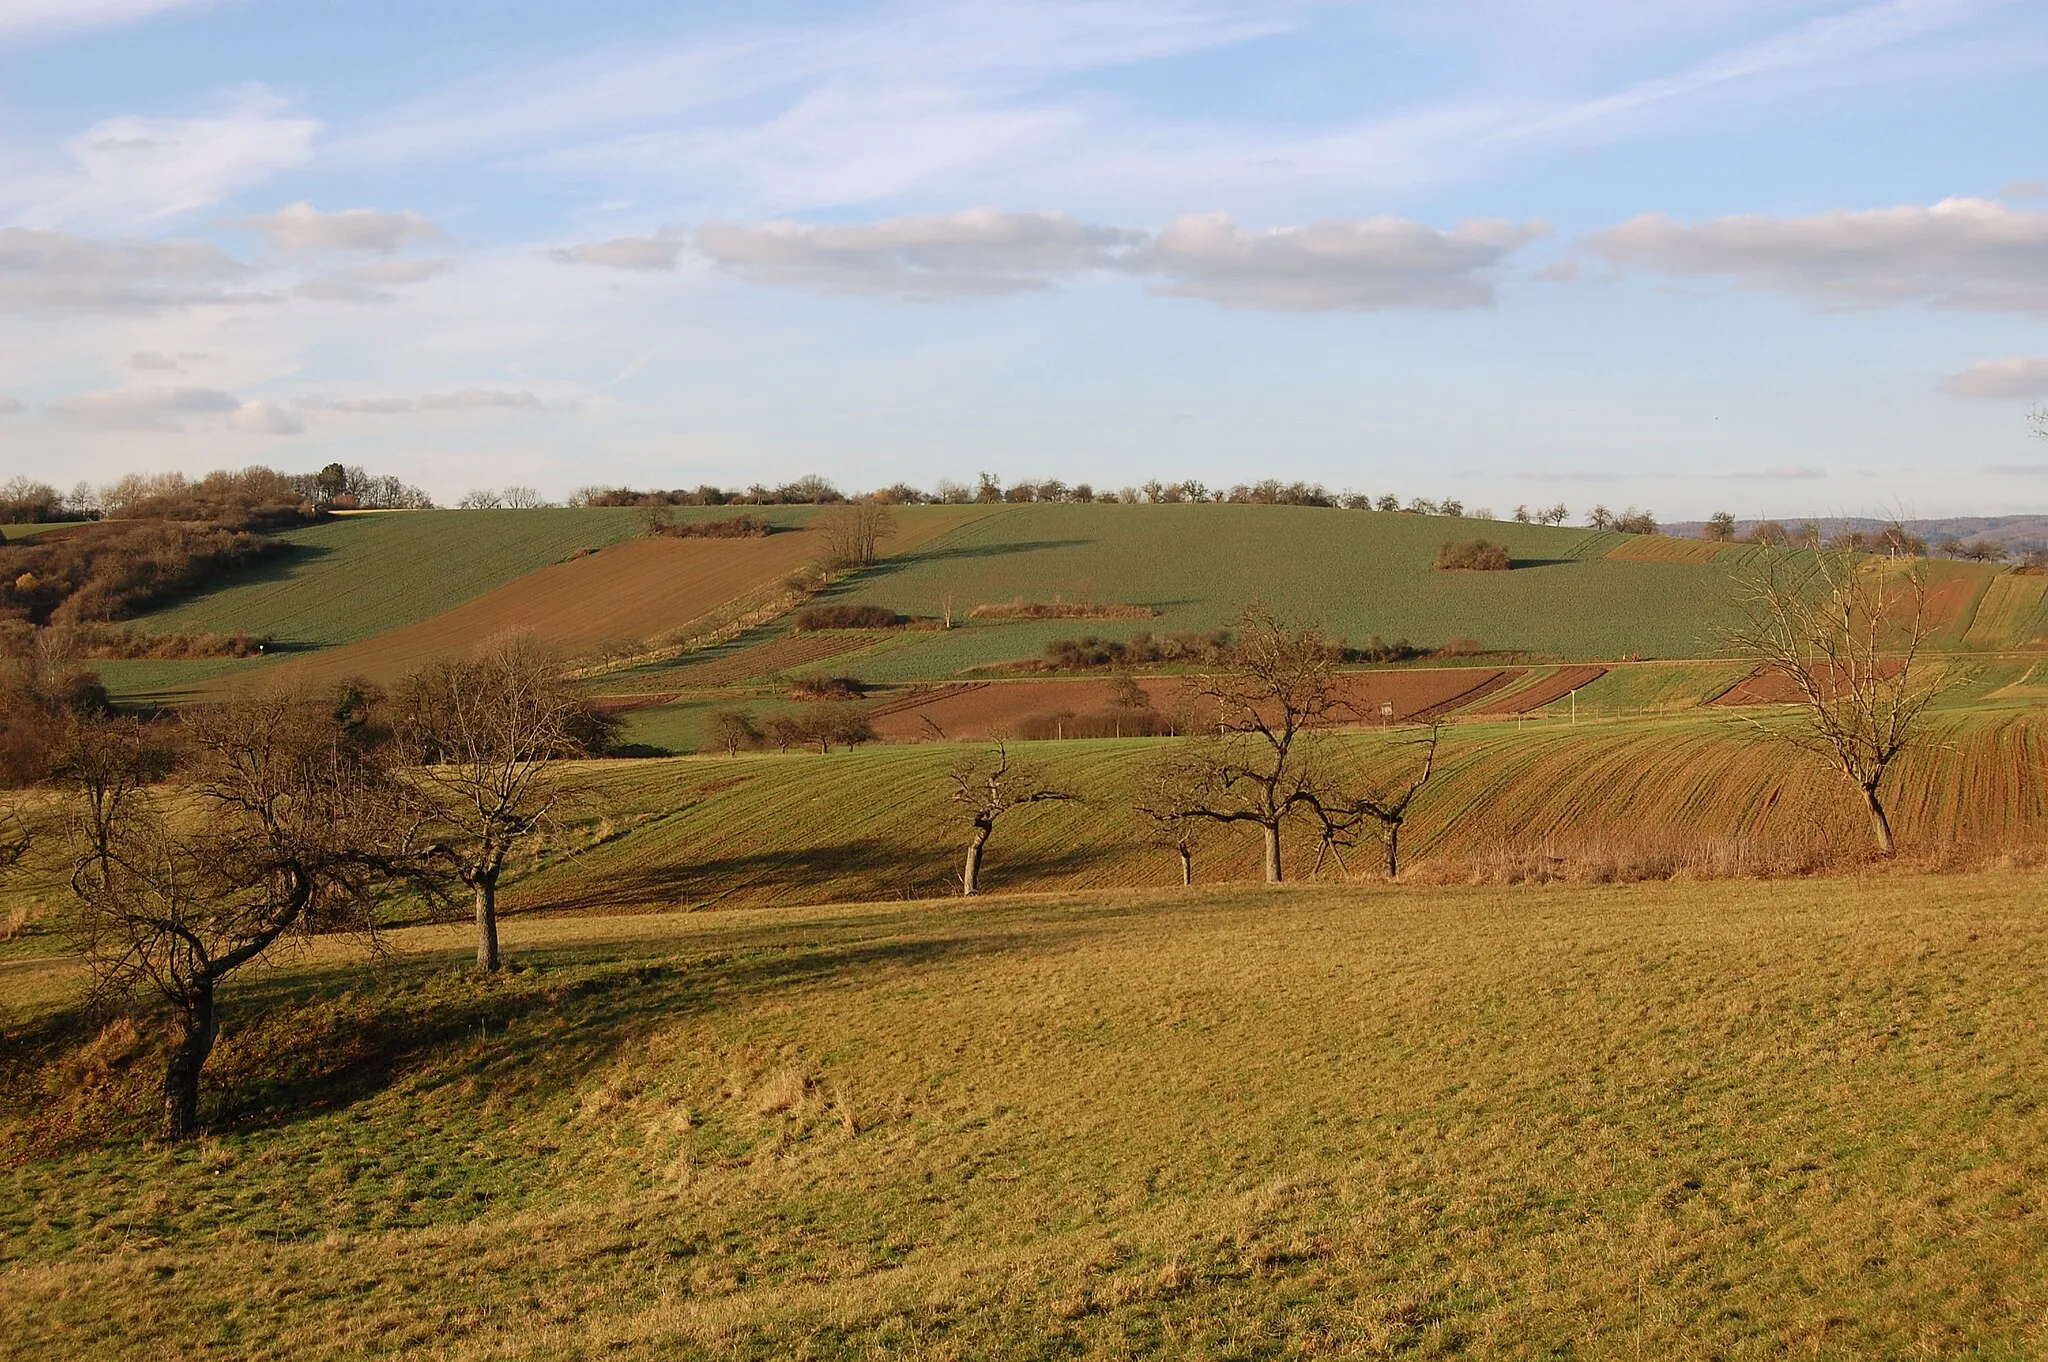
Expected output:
(133, 169)
(56, 271)
(648, 253)
(1571, 475)
(1785, 473)
(265, 418)
(460, 400)
(1363, 264)
(144, 408)
(1972, 253)
(9, 405)
(980, 251)
(34, 18)
(150, 359)
(2019, 470)
(371, 283)
(301, 229)
(2001, 378)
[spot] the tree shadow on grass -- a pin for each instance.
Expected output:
(888, 567)
(867, 867)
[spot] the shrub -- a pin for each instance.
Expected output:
(1461, 646)
(849, 617)
(1080, 654)
(734, 527)
(826, 688)
(116, 568)
(1472, 555)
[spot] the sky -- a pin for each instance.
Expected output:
(1772, 257)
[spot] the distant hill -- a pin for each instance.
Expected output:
(2014, 531)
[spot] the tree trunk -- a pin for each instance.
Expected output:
(486, 887)
(181, 1076)
(1393, 850)
(970, 875)
(1880, 825)
(1272, 831)
(1187, 867)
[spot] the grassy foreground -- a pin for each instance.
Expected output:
(1678, 1120)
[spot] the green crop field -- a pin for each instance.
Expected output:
(1358, 573)
(1736, 1121)
(1679, 794)
(359, 575)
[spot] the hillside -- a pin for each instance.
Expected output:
(1728, 1120)
(1664, 796)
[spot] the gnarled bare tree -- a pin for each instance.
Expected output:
(1846, 633)
(288, 819)
(484, 735)
(1260, 765)
(984, 789)
(1342, 811)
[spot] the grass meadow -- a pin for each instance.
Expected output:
(1728, 1120)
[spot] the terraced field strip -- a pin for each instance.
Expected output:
(1545, 690)
(761, 659)
(1954, 592)
(631, 590)
(975, 711)
(876, 823)
(1775, 688)
(2008, 610)
(1661, 548)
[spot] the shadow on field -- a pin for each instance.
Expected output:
(865, 868)
(890, 566)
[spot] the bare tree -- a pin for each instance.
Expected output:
(1341, 813)
(289, 818)
(854, 533)
(1259, 767)
(985, 788)
(523, 498)
(733, 729)
(484, 735)
(1846, 634)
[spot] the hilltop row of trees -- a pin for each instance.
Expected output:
(255, 497)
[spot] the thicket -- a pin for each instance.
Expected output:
(41, 702)
(805, 491)
(107, 571)
(1216, 647)
(1472, 555)
(102, 643)
(734, 527)
(1061, 610)
(826, 688)
(848, 617)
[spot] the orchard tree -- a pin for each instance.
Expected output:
(984, 789)
(485, 736)
(289, 818)
(1846, 633)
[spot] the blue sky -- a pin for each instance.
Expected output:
(1778, 258)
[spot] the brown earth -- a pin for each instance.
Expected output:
(987, 709)
(775, 655)
(1545, 691)
(1775, 688)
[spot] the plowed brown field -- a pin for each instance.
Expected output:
(973, 711)
(1775, 688)
(1545, 690)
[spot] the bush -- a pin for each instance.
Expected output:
(1080, 654)
(1472, 555)
(116, 568)
(1061, 610)
(734, 527)
(849, 617)
(1460, 646)
(826, 688)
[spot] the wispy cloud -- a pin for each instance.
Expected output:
(145, 408)
(1782, 473)
(371, 283)
(1572, 475)
(39, 18)
(976, 252)
(465, 399)
(647, 254)
(133, 170)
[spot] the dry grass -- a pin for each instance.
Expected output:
(1675, 1121)
(1021, 609)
